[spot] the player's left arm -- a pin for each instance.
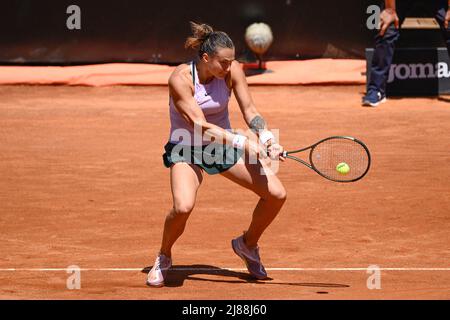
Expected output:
(240, 88)
(252, 117)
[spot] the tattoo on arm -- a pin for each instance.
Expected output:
(257, 124)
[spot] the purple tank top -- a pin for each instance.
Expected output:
(213, 99)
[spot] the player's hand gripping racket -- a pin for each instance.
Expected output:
(339, 158)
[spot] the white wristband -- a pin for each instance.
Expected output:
(239, 141)
(265, 136)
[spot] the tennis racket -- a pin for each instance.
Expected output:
(327, 154)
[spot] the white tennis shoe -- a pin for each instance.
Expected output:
(158, 274)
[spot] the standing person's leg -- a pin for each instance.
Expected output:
(272, 197)
(382, 59)
(185, 180)
(440, 17)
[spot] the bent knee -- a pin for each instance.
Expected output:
(182, 208)
(278, 194)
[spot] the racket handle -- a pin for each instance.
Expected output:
(284, 154)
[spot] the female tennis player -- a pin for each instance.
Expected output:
(199, 95)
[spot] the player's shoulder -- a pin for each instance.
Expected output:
(181, 76)
(235, 64)
(236, 72)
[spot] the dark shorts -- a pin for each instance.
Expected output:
(212, 158)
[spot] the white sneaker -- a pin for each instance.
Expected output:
(158, 273)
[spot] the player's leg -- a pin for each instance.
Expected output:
(382, 60)
(270, 189)
(185, 180)
(440, 18)
(272, 197)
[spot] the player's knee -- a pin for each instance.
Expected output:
(182, 209)
(278, 194)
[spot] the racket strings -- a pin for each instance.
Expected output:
(326, 156)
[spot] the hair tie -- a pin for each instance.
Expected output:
(207, 36)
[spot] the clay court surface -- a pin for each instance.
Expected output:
(82, 183)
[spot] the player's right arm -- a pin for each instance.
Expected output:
(182, 92)
(388, 16)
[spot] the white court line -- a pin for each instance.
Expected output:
(223, 269)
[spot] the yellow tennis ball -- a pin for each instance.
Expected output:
(343, 168)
